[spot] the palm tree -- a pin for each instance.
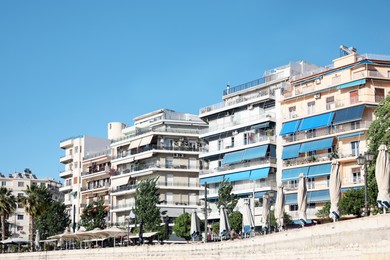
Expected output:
(7, 207)
(36, 201)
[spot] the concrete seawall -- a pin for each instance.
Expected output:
(364, 238)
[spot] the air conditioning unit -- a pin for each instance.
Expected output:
(317, 96)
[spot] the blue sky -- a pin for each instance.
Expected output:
(68, 68)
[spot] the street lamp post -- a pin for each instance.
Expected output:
(271, 195)
(363, 160)
(206, 210)
(131, 216)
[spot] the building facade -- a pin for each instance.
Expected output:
(76, 149)
(20, 221)
(326, 115)
(163, 144)
(241, 139)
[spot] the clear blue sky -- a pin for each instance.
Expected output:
(68, 68)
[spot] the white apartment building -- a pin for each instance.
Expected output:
(241, 139)
(19, 222)
(163, 144)
(76, 148)
(326, 115)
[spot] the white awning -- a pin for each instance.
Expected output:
(135, 144)
(146, 140)
(119, 181)
(129, 146)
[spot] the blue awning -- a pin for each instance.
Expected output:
(314, 122)
(293, 174)
(318, 196)
(291, 151)
(233, 157)
(290, 127)
(348, 115)
(238, 176)
(316, 145)
(214, 179)
(260, 194)
(262, 125)
(255, 152)
(352, 83)
(259, 173)
(319, 170)
(350, 135)
(291, 199)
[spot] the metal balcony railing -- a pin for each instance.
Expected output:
(242, 165)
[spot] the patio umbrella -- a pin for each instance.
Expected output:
(265, 211)
(224, 226)
(248, 222)
(302, 196)
(335, 190)
(382, 175)
(113, 232)
(279, 208)
(37, 239)
(195, 226)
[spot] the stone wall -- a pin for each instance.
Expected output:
(364, 238)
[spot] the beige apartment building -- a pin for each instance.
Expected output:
(19, 222)
(326, 115)
(163, 144)
(77, 149)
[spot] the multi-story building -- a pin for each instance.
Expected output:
(326, 115)
(76, 149)
(163, 144)
(241, 138)
(20, 221)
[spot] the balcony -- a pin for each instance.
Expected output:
(311, 186)
(129, 188)
(327, 131)
(123, 206)
(240, 166)
(235, 121)
(307, 159)
(96, 173)
(179, 203)
(147, 148)
(177, 185)
(66, 158)
(66, 188)
(250, 186)
(358, 181)
(263, 94)
(97, 154)
(66, 174)
(96, 188)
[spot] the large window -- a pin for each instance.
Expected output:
(353, 97)
(356, 175)
(330, 104)
(311, 107)
(292, 112)
(379, 94)
(20, 184)
(355, 148)
(311, 183)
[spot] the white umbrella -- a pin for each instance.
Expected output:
(224, 226)
(113, 232)
(37, 239)
(265, 211)
(382, 175)
(195, 226)
(279, 208)
(335, 190)
(302, 196)
(248, 222)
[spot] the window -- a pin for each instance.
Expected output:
(355, 125)
(20, 217)
(20, 184)
(327, 181)
(75, 164)
(311, 183)
(293, 207)
(247, 138)
(292, 112)
(379, 94)
(220, 144)
(310, 107)
(311, 133)
(169, 197)
(292, 184)
(3, 183)
(169, 162)
(355, 148)
(330, 104)
(20, 206)
(76, 149)
(356, 176)
(68, 182)
(20, 228)
(232, 142)
(353, 97)
(20, 195)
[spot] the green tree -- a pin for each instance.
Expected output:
(147, 198)
(182, 226)
(7, 207)
(36, 201)
(235, 221)
(287, 219)
(324, 212)
(94, 215)
(226, 198)
(352, 202)
(53, 221)
(378, 134)
(215, 227)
